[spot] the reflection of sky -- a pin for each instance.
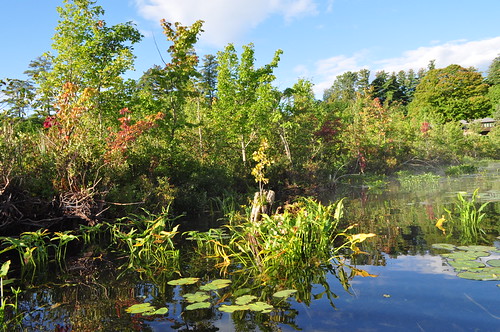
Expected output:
(411, 293)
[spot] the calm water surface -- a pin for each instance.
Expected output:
(414, 288)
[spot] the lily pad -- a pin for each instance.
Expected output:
(183, 281)
(140, 308)
(161, 311)
(233, 308)
(261, 306)
(445, 246)
(285, 293)
(196, 297)
(477, 248)
(478, 275)
(198, 305)
(216, 284)
(460, 264)
(245, 299)
(493, 262)
(466, 255)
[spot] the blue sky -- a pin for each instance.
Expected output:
(320, 38)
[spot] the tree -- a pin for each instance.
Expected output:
(493, 79)
(16, 97)
(244, 96)
(453, 93)
(88, 53)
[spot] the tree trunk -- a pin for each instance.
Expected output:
(262, 204)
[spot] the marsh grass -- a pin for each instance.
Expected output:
(409, 181)
(466, 217)
(305, 234)
(147, 242)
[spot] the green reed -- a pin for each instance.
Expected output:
(304, 234)
(467, 217)
(147, 242)
(4, 304)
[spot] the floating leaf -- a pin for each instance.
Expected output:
(363, 273)
(196, 297)
(161, 311)
(260, 306)
(460, 264)
(245, 299)
(445, 246)
(241, 291)
(216, 284)
(183, 281)
(493, 262)
(285, 293)
(476, 248)
(233, 308)
(198, 305)
(140, 308)
(466, 255)
(478, 275)
(386, 295)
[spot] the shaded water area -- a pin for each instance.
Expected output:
(410, 286)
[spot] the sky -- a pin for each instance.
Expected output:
(321, 39)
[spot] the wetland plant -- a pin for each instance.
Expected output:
(305, 234)
(466, 217)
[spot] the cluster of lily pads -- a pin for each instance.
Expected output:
(474, 262)
(201, 299)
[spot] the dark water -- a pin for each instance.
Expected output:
(414, 288)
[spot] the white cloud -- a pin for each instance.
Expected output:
(478, 54)
(225, 20)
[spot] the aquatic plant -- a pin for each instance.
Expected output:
(33, 250)
(63, 239)
(147, 242)
(305, 234)
(4, 304)
(466, 217)
(411, 181)
(461, 169)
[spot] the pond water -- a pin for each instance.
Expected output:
(411, 287)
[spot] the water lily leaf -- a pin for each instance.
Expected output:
(161, 311)
(216, 284)
(241, 291)
(460, 264)
(183, 281)
(198, 305)
(445, 246)
(477, 248)
(285, 293)
(245, 299)
(466, 255)
(260, 306)
(196, 297)
(493, 262)
(478, 275)
(491, 270)
(140, 308)
(233, 308)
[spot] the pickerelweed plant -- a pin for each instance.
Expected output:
(4, 303)
(305, 234)
(466, 217)
(146, 242)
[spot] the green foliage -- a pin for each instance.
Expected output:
(466, 218)
(461, 169)
(4, 300)
(454, 93)
(305, 234)
(148, 246)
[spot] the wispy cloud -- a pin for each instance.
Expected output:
(478, 54)
(225, 20)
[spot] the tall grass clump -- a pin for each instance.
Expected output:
(305, 234)
(467, 217)
(147, 242)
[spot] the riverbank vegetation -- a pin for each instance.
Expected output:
(81, 142)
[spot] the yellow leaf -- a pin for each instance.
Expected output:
(439, 225)
(361, 237)
(364, 273)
